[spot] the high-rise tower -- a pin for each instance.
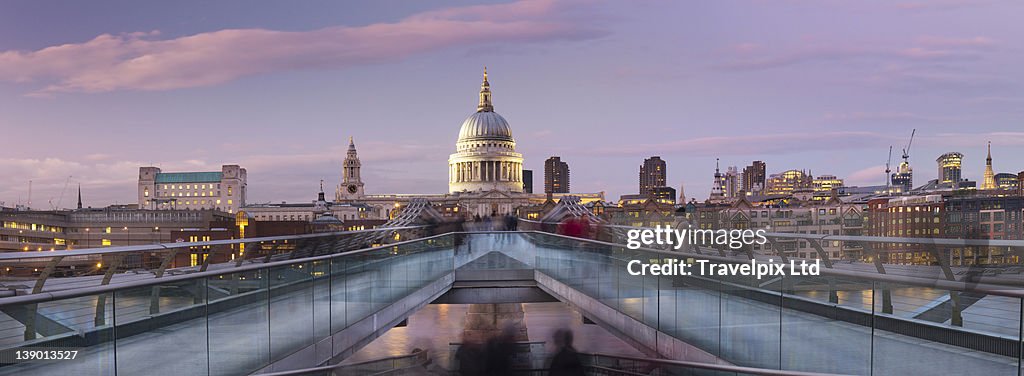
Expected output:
(949, 167)
(652, 174)
(556, 176)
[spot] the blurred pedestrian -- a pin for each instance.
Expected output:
(566, 361)
(500, 352)
(471, 358)
(511, 223)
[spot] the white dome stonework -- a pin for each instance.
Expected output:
(485, 126)
(485, 154)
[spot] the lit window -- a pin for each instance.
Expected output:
(105, 242)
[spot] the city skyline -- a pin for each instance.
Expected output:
(715, 92)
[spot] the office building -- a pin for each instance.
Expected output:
(652, 174)
(223, 190)
(754, 177)
(826, 183)
(787, 182)
(949, 167)
(556, 176)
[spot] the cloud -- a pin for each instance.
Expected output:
(941, 42)
(751, 56)
(759, 144)
(976, 140)
(397, 167)
(874, 175)
(143, 61)
(996, 100)
(885, 117)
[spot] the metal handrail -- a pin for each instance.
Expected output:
(884, 278)
(5, 256)
(869, 239)
(79, 292)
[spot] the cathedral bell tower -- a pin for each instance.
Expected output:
(351, 184)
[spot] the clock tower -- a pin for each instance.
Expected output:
(351, 184)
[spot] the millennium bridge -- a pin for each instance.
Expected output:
(308, 304)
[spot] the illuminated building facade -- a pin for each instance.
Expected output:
(223, 190)
(556, 176)
(106, 227)
(754, 177)
(788, 182)
(652, 174)
(949, 165)
(826, 183)
(903, 179)
(1007, 181)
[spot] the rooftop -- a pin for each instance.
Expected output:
(189, 177)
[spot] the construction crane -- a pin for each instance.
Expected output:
(888, 170)
(61, 199)
(906, 150)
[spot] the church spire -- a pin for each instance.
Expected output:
(79, 196)
(988, 160)
(485, 96)
(989, 179)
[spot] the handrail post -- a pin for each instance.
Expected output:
(956, 315)
(101, 299)
(833, 296)
(886, 294)
(154, 297)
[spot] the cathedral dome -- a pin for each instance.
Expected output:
(485, 125)
(485, 156)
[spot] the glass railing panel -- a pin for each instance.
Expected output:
(239, 323)
(339, 294)
(360, 276)
(321, 273)
(953, 347)
(751, 312)
(64, 324)
(690, 310)
(162, 328)
(825, 327)
(291, 309)
(631, 287)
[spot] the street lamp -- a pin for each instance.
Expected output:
(129, 234)
(87, 239)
